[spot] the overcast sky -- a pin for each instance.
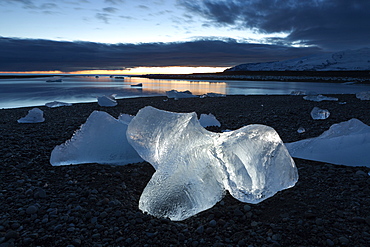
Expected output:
(71, 35)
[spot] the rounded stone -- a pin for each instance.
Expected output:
(31, 209)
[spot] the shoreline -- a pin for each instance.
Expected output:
(97, 205)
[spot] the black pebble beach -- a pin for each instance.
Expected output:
(97, 205)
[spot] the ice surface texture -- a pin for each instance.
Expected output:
(318, 113)
(346, 143)
(34, 115)
(102, 139)
(194, 167)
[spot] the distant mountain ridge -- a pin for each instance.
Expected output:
(338, 61)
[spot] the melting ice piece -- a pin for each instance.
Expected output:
(55, 104)
(318, 113)
(346, 143)
(301, 130)
(34, 115)
(213, 95)
(174, 94)
(102, 139)
(298, 92)
(107, 101)
(363, 95)
(195, 166)
(319, 98)
(208, 120)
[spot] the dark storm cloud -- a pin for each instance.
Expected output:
(335, 24)
(31, 55)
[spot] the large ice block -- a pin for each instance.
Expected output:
(346, 143)
(102, 139)
(195, 166)
(34, 115)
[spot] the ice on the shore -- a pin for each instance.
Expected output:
(319, 98)
(125, 118)
(301, 130)
(346, 143)
(107, 101)
(213, 95)
(363, 95)
(55, 104)
(318, 113)
(34, 115)
(208, 120)
(174, 94)
(102, 139)
(194, 166)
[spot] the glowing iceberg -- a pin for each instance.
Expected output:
(102, 139)
(194, 167)
(346, 143)
(34, 115)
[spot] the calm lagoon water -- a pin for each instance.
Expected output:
(36, 91)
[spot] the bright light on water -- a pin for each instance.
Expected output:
(23, 92)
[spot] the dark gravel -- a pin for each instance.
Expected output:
(97, 205)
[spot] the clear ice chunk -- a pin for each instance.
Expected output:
(346, 143)
(174, 94)
(102, 139)
(194, 166)
(318, 113)
(208, 120)
(318, 98)
(55, 104)
(301, 130)
(363, 95)
(107, 101)
(34, 115)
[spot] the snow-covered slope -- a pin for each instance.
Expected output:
(344, 60)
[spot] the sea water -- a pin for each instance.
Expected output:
(22, 92)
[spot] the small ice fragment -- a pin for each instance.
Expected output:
(55, 104)
(319, 98)
(174, 94)
(214, 95)
(363, 95)
(208, 120)
(137, 85)
(301, 130)
(318, 113)
(107, 101)
(102, 139)
(298, 92)
(34, 115)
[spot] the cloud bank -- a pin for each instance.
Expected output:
(47, 55)
(330, 24)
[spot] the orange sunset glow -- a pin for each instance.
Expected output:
(133, 71)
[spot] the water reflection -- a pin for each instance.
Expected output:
(36, 91)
